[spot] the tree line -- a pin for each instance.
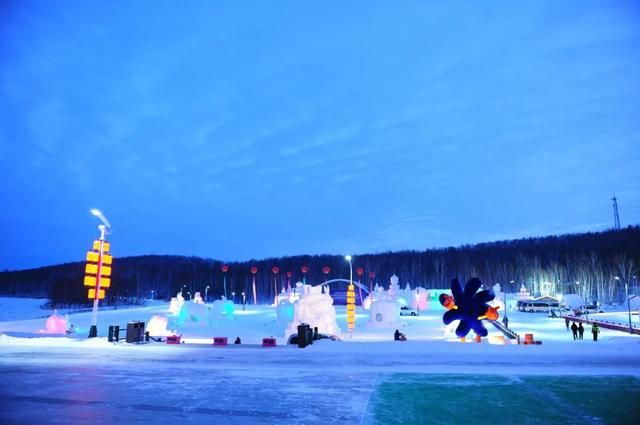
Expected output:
(594, 265)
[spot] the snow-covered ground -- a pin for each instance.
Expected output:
(78, 380)
(22, 308)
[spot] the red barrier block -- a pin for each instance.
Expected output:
(268, 342)
(220, 341)
(173, 339)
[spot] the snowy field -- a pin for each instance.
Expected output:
(364, 379)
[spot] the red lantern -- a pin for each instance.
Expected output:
(225, 268)
(275, 269)
(360, 271)
(326, 270)
(289, 274)
(254, 270)
(304, 269)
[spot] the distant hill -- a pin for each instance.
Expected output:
(593, 259)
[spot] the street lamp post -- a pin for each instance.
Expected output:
(244, 301)
(105, 228)
(626, 291)
(206, 294)
(152, 295)
(233, 294)
(506, 307)
(348, 258)
(584, 298)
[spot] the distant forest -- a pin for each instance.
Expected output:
(552, 263)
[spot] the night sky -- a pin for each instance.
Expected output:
(239, 130)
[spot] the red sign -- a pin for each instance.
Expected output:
(326, 270)
(225, 268)
(254, 270)
(275, 269)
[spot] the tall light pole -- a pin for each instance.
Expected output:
(626, 290)
(584, 298)
(206, 294)
(348, 258)
(105, 228)
(351, 299)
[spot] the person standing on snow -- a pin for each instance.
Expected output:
(580, 331)
(574, 329)
(595, 330)
(566, 322)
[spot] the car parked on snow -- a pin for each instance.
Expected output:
(405, 310)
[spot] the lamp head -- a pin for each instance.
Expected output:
(347, 257)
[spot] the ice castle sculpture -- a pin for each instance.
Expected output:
(315, 308)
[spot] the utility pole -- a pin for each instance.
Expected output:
(616, 217)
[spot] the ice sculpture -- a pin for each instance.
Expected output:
(285, 311)
(157, 325)
(385, 307)
(315, 308)
(222, 307)
(384, 313)
(176, 304)
(191, 311)
(55, 324)
(197, 298)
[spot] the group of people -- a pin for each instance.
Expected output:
(578, 330)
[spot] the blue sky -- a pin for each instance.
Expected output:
(239, 130)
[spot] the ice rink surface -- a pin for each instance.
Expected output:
(367, 379)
